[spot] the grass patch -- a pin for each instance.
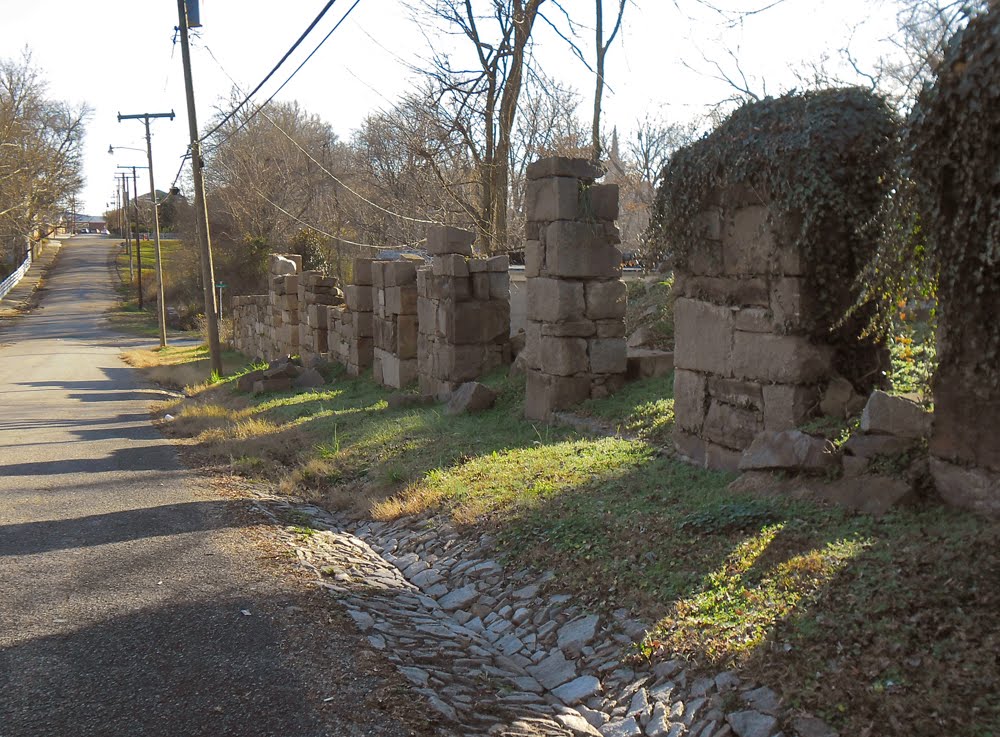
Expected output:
(862, 621)
(127, 317)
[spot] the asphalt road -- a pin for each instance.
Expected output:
(134, 600)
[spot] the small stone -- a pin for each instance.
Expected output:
(752, 723)
(763, 700)
(363, 620)
(727, 681)
(593, 716)
(577, 724)
(812, 727)
(554, 671)
(628, 727)
(459, 598)
(639, 703)
(574, 635)
(892, 415)
(577, 690)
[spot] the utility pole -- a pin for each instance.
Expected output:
(138, 246)
(201, 209)
(128, 226)
(161, 310)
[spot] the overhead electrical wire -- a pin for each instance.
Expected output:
(277, 66)
(260, 110)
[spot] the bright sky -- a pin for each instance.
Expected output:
(119, 56)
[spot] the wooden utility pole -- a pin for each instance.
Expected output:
(128, 226)
(200, 206)
(161, 310)
(135, 203)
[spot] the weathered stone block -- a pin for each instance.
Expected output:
(498, 264)
(534, 257)
(895, 416)
(605, 299)
(450, 265)
(790, 303)
(564, 356)
(965, 422)
(563, 166)
(400, 273)
(363, 324)
(784, 359)
(457, 363)
(791, 450)
(443, 239)
(545, 394)
(533, 344)
(359, 298)
(703, 336)
(744, 394)
(607, 355)
(690, 447)
(427, 316)
(754, 320)
(970, 487)
(401, 300)
(690, 400)
(706, 260)
(731, 426)
(552, 198)
(570, 329)
(614, 328)
(477, 265)
(361, 272)
(480, 285)
(788, 406)
(385, 335)
(500, 285)
(378, 273)
(748, 245)
(555, 300)
(645, 363)
(406, 336)
(602, 201)
(580, 250)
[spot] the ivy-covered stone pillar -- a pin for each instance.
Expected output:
(575, 343)
(764, 221)
(955, 163)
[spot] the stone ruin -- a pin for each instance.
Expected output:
(745, 360)
(317, 293)
(463, 304)
(394, 296)
(351, 327)
(575, 330)
(447, 322)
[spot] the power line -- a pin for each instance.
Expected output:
(308, 155)
(253, 114)
(277, 66)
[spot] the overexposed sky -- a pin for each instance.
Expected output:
(119, 56)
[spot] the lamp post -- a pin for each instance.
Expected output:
(161, 310)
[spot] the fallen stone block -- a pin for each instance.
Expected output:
(265, 386)
(644, 363)
(309, 379)
(245, 383)
(898, 416)
(471, 397)
(788, 450)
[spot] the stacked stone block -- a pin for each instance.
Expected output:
(745, 360)
(463, 305)
(251, 333)
(575, 329)
(284, 297)
(316, 294)
(351, 325)
(394, 295)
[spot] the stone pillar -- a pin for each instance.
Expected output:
(744, 358)
(395, 324)
(316, 294)
(251, 334)
(463, 304)
(284, 297)
(351, 326)
(575, 323)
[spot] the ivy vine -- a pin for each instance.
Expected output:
(824, 162)
(952, 154)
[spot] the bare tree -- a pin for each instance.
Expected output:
(40, 154)
(602, 51)
(479, 97)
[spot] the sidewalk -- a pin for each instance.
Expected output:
(18, 300)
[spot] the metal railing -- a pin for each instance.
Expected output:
(11, 281)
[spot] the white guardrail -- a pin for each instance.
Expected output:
(11, 281)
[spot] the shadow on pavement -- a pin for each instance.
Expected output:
(30, 538)
(196, 669)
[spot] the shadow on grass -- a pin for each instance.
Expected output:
(854, 618)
